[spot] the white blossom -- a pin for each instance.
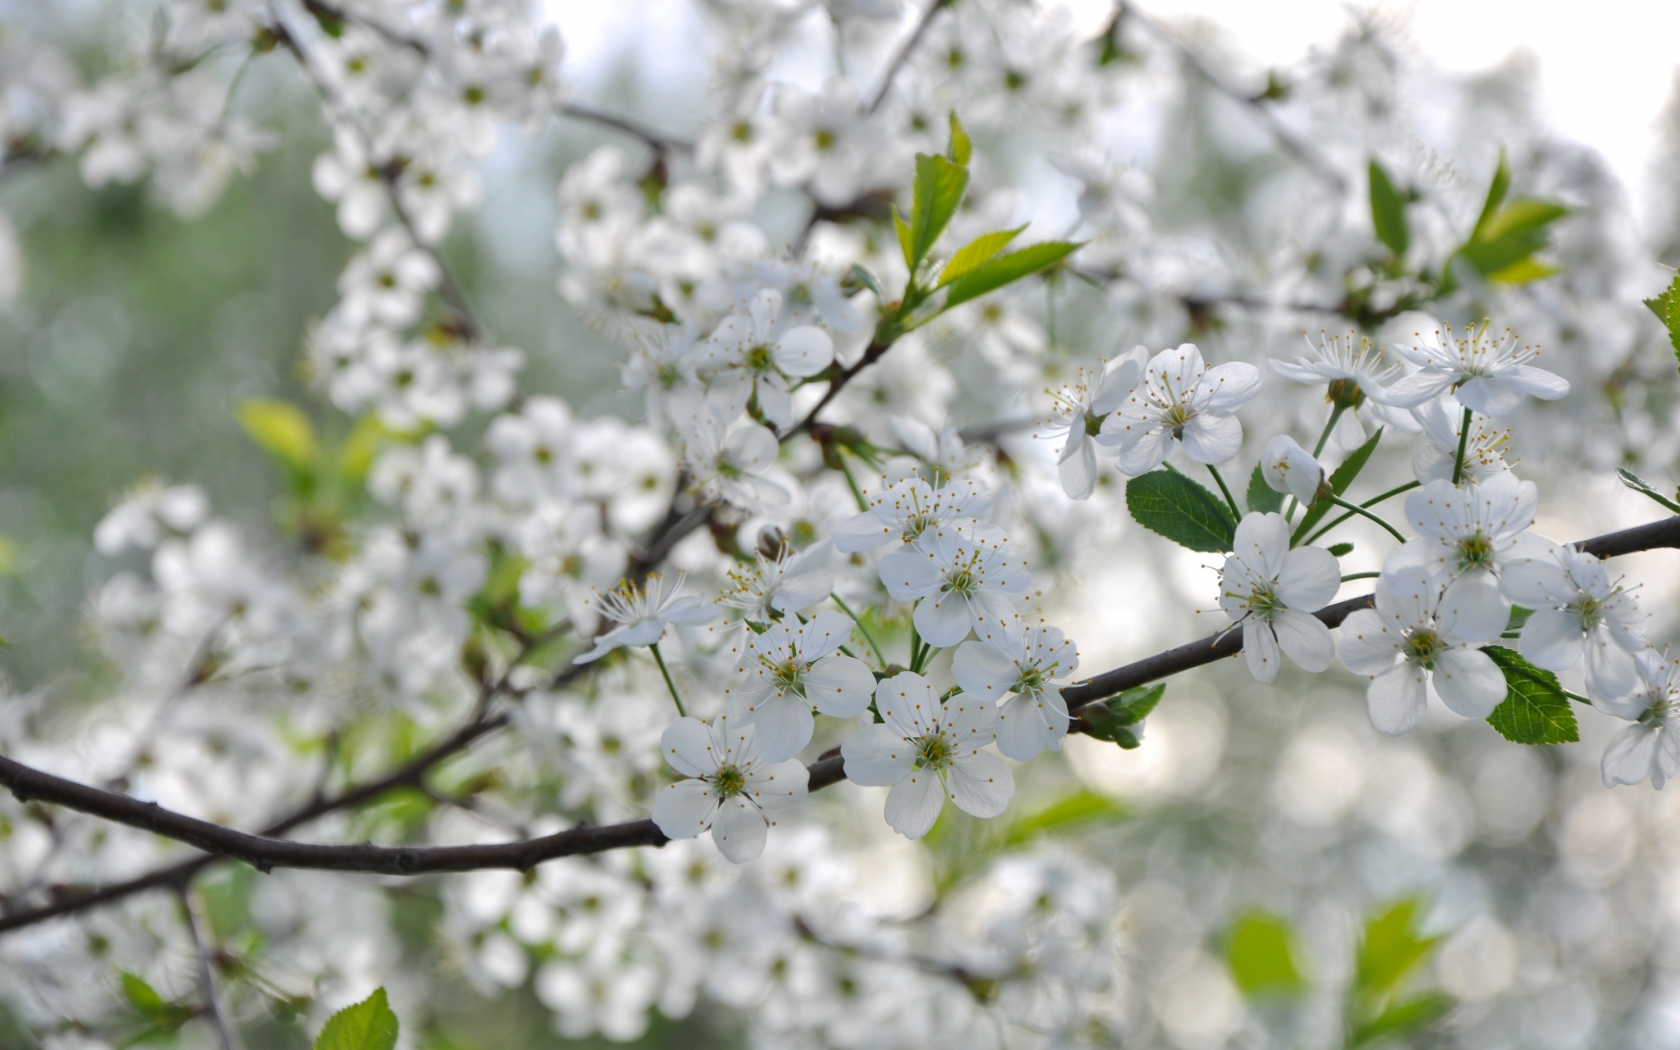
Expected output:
(960, 579)
(731, 788)
(791, 671)
(1036, 716)
(748, 357)
(1416, 637)
(1651, 746)
(926, 750)
(1578, 608)
(1487, 373)
(1291, 469)
(1355, 378)
(1272, 591)
(1181, 399)
(910, 508)
(642, 613)
(1079, 410)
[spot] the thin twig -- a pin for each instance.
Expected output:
(657, 141)
(1294, 145)
(206, 973)
(266, 853)
(903, 54)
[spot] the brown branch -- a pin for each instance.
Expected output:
(266, 852)
(657, 141)
(902, 55)
(206, 974)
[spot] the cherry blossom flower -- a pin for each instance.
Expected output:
(1079, 410)
(1488, 373)
(386, 283)
(731, 790)
(787, 583)
(1416, 637)
(1184, 400)
(1352, 368)
(642, 613)
(926, 750)
(1473, 535)
(1273, 591)
(793, 670)
(1036, 717)
(1289, 468)
(747, 357)
(1651, 746)
(1578, 609)
(727, 464)
(910, 508)
(967, 579)
(1443, 421)
(149, 512)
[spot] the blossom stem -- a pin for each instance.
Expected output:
(1372, 502)
(1577, 697)
(1229, 499)
(1357, 509)
(1360, 576)
(1463, 441)
(1324, 438)
(847, 609)
(672, 686)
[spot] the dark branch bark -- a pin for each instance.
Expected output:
(903, 54)
(266, 852)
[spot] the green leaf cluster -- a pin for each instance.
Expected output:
(1391, 951)
(1260, 950)
(368, 1025)
(1667, 308)
(1506, 238)
(1261, 498)
(1182, 510)
(978, 267)
(1117, 719)
(1535, 709)
(159, 1016)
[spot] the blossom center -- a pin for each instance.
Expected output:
(758, 358)
(933, 752)
(1345, 393)
(729, 781)
(1422, 646)
(1475, 552)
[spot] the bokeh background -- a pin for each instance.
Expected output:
(135, 333)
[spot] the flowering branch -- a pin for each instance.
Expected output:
(266, 852)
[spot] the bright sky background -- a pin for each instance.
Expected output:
(1606, 68)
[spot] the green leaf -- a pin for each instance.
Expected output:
(1667, 308)
(142, 996)
(1261, 498)
(906, 239)
(1497, 189)
(1534, 710)
(10, 556)
(976, 252)
(1401, 1018)
(960, 148)
(1076, 810)
(1388, 212)
(1115, 719)
(1514, 623)
(1523, 215)
(865, 276)
(1340, 479)
(369, 1025)
(1390, 949)
(1340, 550)
(939, 188)
(1260, 951)
(1183, 511)
(1640, 485)
(1006, 269)
(281, 429)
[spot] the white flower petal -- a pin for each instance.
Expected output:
(1212, 438)
(914, 804)
(782, 726)
(1469, 682)
(877, 756)
(685, 809)
(1305, 640)
(689, 747)
(841, 686)
(981, 784)
(1398, 698)
(740, 830)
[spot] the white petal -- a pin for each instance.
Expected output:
(1397, 699)
(983, 670)
(1305, 640)
(1311, 577)
(1212, 438)
(914, 804)
(943, 620)
(1232, 384)
(1552, 639)
(826, 632)
(876, 755)
(803, 351)
(1469, 682)
(1611, 670)
(688, 746)
(752, 448)
(861, 532)
(1145, 453)
(1473, 610)
(1538, 382)
(1368, 646)
(1415, 389)
(685, 809)
(778, 785)
(1078, 471)
(1628, 759)
(981, 784)
(1493, 397)
(907, 704)
(840, 686)
(740, 830)
(782, 726)
(1261, 649)
(1021, 733)
(909, 574)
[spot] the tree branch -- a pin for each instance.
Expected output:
(266, 852)
(903, 54)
